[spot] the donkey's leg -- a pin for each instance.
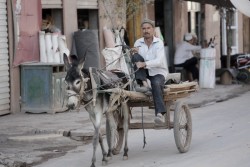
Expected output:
(104, 153)
(125, 110)
(96, 118)
(95, 143)
(110, 131)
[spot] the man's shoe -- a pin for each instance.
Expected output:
(159, 119)
(142, 89)
(148, 93)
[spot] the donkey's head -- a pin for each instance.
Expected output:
(76, 82)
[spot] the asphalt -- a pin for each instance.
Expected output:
(76, 126)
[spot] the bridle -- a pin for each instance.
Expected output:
(82, 94)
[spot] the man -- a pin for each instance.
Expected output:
(184, 56)
(150, 62)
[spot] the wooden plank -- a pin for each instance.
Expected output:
(181, 87)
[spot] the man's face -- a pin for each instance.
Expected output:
(147, 30)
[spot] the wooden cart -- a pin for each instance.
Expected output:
(181, 121)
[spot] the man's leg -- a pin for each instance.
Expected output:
(190, 65)
(140, 74)
(157, 84)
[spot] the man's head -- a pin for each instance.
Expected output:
(148, 28)
(188, 37)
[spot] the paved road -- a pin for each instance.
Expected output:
(221, 138)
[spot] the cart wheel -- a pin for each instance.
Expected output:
(119, 133)
(182, 127)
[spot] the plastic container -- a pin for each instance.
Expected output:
(207, 68)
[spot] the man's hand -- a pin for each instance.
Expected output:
(134, 50)
(140, 64)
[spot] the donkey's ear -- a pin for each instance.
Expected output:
(81, 64)
(82, 60)
(66, 61)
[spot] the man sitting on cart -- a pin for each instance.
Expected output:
(150, 63)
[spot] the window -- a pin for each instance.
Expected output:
(194, 19)
(53, 16)
(87, 18)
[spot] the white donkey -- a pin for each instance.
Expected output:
(81, 90)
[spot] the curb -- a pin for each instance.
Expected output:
(35, 137)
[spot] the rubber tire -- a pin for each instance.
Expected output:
(183, 144)
(243, 76)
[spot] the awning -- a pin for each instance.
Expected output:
(219, 3)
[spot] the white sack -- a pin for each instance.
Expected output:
(62, 47)
(56, 54)
(49, 50)
(43, 57)
(113, 61)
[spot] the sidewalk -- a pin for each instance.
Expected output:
(21, 131)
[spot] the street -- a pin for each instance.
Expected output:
(221, 138)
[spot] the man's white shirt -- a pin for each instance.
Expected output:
(154, 56)
(184, 52)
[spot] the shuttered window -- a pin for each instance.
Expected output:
(81, 4)
(87, 4)
(51, 4)
(4, 61)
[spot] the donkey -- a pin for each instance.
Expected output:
(80, 90)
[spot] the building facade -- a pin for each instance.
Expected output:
(174, 17)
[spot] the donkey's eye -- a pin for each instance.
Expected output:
(77, 82)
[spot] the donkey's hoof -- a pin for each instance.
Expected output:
(109, 158)
(125, 157)
(115, 152)
(104, 163)
(105, 159)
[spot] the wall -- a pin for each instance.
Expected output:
(69, 20)
(180, 20)
(212, 25)
(246, 32)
